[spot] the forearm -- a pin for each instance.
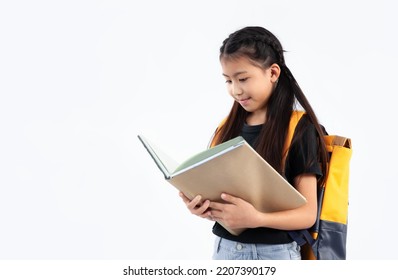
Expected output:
(238, 213)
(299, 218)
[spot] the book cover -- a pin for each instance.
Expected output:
(233, 167)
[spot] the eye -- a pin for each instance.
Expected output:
(243, 80)
(228, 81)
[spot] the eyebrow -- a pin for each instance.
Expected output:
(236, 74)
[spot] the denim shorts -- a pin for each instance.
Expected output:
(225, 249)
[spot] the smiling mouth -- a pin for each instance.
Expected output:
(243, 101)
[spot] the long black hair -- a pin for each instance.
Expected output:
(264, 49)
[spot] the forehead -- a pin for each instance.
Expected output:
(230, 66)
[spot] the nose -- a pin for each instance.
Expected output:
(236, 90)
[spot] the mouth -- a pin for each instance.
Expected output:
(243, 101)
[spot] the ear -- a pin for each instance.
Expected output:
(275, 72)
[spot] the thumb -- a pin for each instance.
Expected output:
(229, 198)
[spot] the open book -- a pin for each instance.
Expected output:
(233, 167)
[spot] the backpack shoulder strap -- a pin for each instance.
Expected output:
(295, 118)
(215, 135)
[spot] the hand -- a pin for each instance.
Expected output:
(196, 207)
(236, 213)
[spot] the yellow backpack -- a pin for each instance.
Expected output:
(326, 240)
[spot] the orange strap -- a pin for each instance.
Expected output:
(295, 118)
(215, 134)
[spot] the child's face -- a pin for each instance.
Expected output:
(250, 85)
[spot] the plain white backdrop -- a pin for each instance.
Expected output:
(80, 79)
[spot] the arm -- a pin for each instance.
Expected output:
(237, 213)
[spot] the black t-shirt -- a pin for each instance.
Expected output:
(296, 164)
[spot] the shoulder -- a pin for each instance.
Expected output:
(305, 130)
(303, 152)
(305, 142)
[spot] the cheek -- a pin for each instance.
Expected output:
(265, 89)
(229, 90)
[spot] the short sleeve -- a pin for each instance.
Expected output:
(303, 154)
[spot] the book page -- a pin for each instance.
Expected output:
(165, 163)
(208, 154)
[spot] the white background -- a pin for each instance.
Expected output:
(80, 79)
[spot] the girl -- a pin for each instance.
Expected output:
(265, 94)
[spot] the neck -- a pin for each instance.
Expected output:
(256, 118)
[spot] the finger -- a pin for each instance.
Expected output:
(207, 215)
(184, 198)
(191, 204)
(229, 198)
(201, 210)
(195, 202)
(217, 206)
